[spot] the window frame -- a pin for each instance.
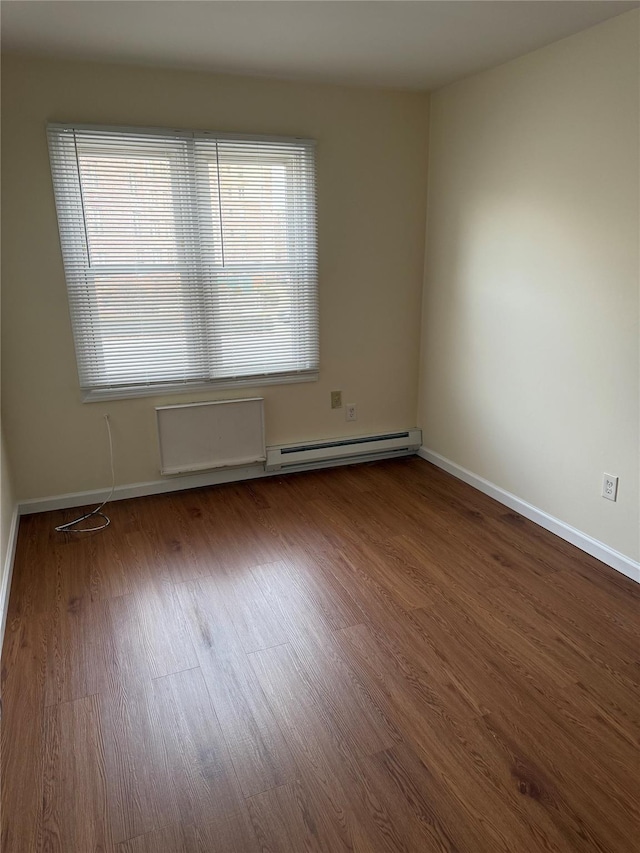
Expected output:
(199, 329)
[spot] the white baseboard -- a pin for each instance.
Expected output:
(137, 490)
(576, 537)
(7, 574)
(191, 481)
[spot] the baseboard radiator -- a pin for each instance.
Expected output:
(343, 451)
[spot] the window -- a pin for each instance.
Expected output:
(190, 258)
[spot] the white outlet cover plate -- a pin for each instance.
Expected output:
(609, 487)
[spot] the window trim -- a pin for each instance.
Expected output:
(123, 392)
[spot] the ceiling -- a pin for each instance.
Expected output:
(413, 45)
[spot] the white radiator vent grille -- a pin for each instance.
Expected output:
(202, 436)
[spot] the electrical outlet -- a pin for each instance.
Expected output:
(350, 413)
(610, 487)
(336, 399)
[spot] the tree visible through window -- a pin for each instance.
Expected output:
(190, 258)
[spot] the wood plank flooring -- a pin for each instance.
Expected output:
(375, 658)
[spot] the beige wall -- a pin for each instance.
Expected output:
(372, 148)
(529, 364)
(529, 367)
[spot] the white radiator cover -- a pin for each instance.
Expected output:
(203, 436)
(341, 450)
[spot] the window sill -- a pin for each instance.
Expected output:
(96, 395)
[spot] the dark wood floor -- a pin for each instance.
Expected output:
(375, 658)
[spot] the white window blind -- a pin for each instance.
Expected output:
(190, 257)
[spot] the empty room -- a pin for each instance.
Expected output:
(320, 487)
